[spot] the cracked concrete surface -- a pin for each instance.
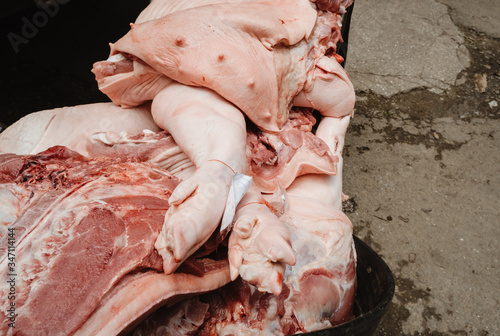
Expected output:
(481, 15)
(422, 160)
(397, 46)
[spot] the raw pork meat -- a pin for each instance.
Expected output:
(278, 158)
(72, 127)
(205, 65)
(318, 291)
(207, 46)
(80, 226)
(306, 198)
(259, 56)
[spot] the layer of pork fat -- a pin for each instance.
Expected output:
(115, 208)
(279, 158)
(137, 295)
(72, 127)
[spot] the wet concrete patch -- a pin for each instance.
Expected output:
(423, 168)
(462, 101)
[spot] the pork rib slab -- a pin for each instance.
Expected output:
(137, 295)
(78, 249)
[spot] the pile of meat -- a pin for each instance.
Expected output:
(204, 200)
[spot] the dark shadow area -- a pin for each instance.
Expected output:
(48, 52)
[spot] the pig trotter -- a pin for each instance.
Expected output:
(196, 209)
(259, 248)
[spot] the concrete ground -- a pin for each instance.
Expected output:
(422, 159)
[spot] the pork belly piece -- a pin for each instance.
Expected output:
(239, 50)
(273, 54)
(138, 295)
(72, 127)
(85, 224)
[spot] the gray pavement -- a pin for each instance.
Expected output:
(422, 159)
(398, 46)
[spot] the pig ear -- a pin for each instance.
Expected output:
(235, 259)
(182, 191)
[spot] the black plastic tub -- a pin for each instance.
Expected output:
(373, 295)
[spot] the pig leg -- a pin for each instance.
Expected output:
(259, 245)
(327, 189)
(332, 93)
(211, 131)
(333, 96)
(323, 280)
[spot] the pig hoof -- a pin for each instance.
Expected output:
(259, 248)
(196, 209)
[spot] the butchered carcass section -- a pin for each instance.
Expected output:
(318, 291)
(136, 295)
(323, 281)
(41, 130)
(81, 225)
(230, 48)
(258, 55)
(278, 158)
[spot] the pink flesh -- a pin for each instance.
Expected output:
(131, 88)
(324, 86)
(332, 92)
(294, 151)
(259, 245)
(126, 201)
(217, 150)
(57, 127)
(137, 295)
(318, 291)
(252, 30)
